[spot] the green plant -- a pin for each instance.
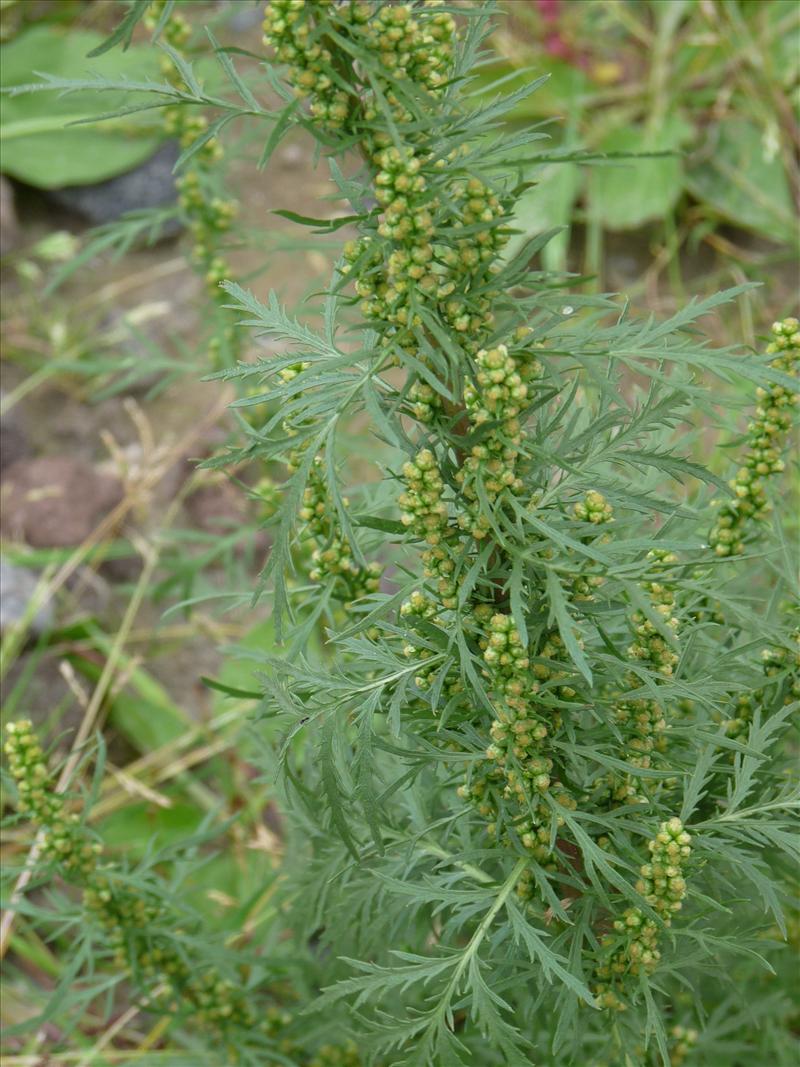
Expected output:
(539, 781)
(135, 919)
(51, 142)
(560, 704)
(207, 213)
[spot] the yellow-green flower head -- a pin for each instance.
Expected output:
(632, 948)
(423, 510)
(593, 508)
(766, 439)
(289, 28)
(63, 840)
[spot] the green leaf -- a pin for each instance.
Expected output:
(39, 147)
(229, 690)
(549, 203)
(742, 178)
(233, 75)
(124, 31)
(236, 675)
(279, 131)
(143, 712)
(564, 82)
(139, 826)
(552, 965)
(566, 625)
(374, 522)
(634, 191)
(323, 225)
(331, 784)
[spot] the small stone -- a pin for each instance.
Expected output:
(55, 501)
(17, 586)
(244, 18)
(150, 185)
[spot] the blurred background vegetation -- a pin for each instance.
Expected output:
(128, 571)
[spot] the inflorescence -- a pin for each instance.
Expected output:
(518, 764)
(425, 266)
(766, 437)
(332, 555)
(128, 917)
(138, 926)
(208, 214)
(633, 947)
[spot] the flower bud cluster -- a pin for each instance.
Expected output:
(684, 1039)
(594, 509)
(478, 788)
(425, 402)
(554, 650)
(400, 190)
(425, 514)
(423, 511)
(662, 883)
(641, 720)
(176, 31)
(522, 768)
(494, 403)
(737, 727)
(120, 913)
(438, 565)
(633, 948)
(290, 28)
(385, 287)
(419, 47)
(269, 496)
(215, 1002)
(332, 557)
(208, 215)
(287, 375)
(62, 838)
(172, 983)
(649, 644)
(419, 606)
(126, 917)
(507, 660)
(766, 436)
(426, 256)
(480, 209)
(440, 272)
(179, 121)
(780, 659)
(346, 1055)
(275, 1023)
(776, 661)
(644, 724)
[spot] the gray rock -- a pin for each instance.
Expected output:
(17, 586)
(245, 16)
(150, 185)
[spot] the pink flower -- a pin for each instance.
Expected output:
(549, 9)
